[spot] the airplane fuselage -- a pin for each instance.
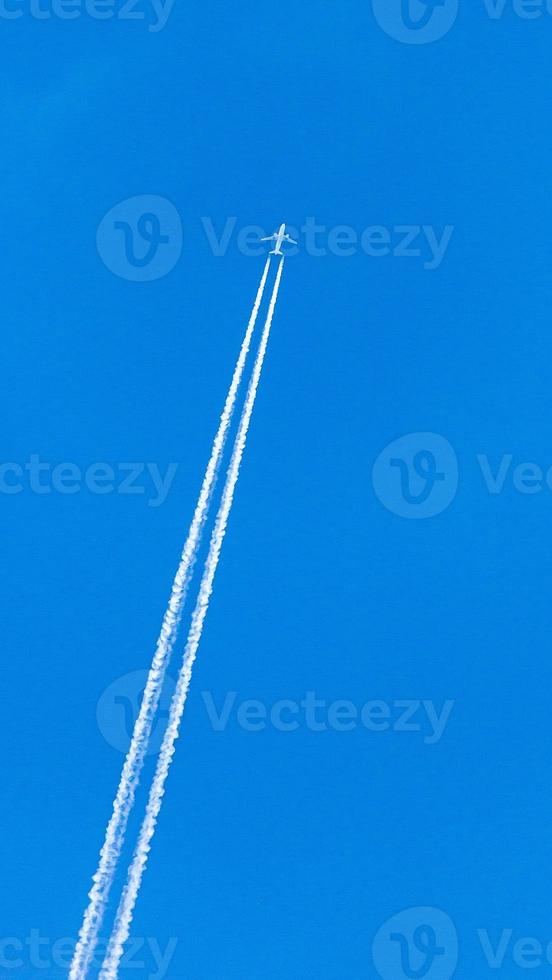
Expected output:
(279, 240)
(279, 237)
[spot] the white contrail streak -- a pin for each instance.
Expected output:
(121, 928)
(122, 806)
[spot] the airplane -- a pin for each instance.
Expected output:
(279, 237)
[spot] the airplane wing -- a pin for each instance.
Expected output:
(291, 240)
(271, 238)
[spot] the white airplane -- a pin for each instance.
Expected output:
(279, 237)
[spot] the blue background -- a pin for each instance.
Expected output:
(281, 854)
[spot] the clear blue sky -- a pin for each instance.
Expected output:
(282, 854)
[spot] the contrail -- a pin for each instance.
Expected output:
(124, 800)
(121, 928)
